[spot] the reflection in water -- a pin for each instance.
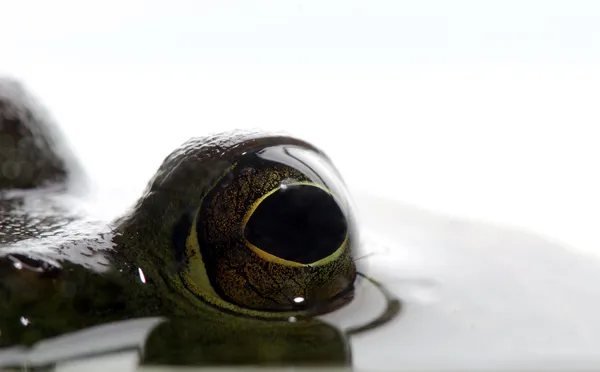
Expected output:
(235, 341)
(392, 310)
(81, 299)
(223, 340)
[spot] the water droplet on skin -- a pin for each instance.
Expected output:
(142, 276)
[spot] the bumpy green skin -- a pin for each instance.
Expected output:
(68, 296)
(146, 240)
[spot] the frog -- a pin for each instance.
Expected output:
(240, 240)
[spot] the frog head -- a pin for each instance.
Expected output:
(252, 223)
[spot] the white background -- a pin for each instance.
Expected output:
(486, 110)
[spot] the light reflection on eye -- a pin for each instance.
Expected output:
(298, 300)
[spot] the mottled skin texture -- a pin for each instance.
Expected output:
(57, 293)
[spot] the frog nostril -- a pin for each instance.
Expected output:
(300, 223)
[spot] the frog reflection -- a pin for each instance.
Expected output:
(236, 234)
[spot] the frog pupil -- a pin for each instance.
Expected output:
(300, 223)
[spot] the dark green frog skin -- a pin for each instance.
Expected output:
(216, 245)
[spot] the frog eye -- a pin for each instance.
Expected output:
(296, 225)
(274, 234)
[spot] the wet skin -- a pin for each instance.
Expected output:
(235, 234)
